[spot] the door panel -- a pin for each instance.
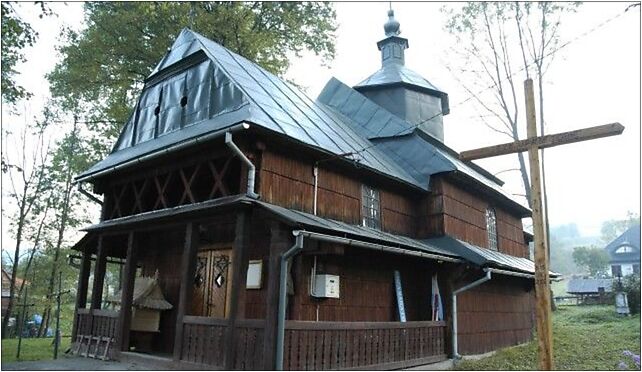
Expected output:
(212, 283)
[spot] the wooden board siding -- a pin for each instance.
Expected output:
(366, 287)
(289, 182)
(454, 211)
(496, 314)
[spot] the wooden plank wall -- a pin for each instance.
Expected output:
(366, 287)
(289, 182)
(496, 314)
(454, 211)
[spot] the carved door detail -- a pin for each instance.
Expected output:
(212, 283)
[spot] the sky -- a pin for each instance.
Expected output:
(594, 80)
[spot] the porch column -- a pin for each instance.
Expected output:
(126, 295)
(99, 274)
(188, 266)
(239, 252)
(83, 283)
(280, 241)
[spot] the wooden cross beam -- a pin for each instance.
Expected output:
(550, 140)
(532, 144)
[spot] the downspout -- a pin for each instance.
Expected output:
(454, 298)
(280, 327)
(251, 169)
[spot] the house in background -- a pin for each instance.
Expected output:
(6, 289)
(327, 225)
(625, 253)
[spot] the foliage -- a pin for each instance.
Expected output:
(631, 284)
(593, 259)
(576, 345)
(611, 229)
(16, 35)
(104, 66)
(32, 349)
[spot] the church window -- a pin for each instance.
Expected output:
(370, 207)
(491, 228)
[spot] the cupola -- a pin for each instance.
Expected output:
(402, 91)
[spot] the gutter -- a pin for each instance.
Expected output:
(454, 299)
(164, 151)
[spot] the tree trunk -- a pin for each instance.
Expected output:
(16, 259)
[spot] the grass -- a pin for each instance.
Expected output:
(32, 348)
(584, 338)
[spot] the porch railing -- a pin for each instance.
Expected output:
(96, 323)
(204, 342)
(362, 345)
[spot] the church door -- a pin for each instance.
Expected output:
(212, 283)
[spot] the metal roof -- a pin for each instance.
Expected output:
(398, 74)
(631, 238)
(343, 228)
(223, 89)
(579, 285)
(412, 149)
(484, 257)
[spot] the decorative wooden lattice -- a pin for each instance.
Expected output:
(188, 183)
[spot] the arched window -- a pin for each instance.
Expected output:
(625, 249)
(491, 228)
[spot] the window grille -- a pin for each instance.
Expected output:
(491, 228)
(370, 207)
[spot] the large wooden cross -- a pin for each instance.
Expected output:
(532, 144)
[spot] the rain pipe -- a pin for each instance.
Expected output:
(280, 328)
(251, 169)
(167, 150)
(454, 298)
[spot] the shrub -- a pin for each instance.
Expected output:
(631, 285)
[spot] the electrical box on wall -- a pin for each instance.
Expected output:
(326, 286)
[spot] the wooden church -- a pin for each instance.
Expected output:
(300, 234)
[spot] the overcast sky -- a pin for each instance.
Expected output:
(594, 80)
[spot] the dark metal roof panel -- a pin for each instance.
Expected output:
(630, 237)
(580, 285)
(484, 257)
(310, 220)
(256, 96)
(396, 73)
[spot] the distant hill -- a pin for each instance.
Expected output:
(563, 239)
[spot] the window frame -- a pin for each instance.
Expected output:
(370, 207)
(492, 233)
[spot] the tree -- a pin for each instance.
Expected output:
(611, 229)
(105, 65)
(594, 260)
(492, 37)
(16, 35)
(27, 187)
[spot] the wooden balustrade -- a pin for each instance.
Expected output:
(96, 323)
(362, 345)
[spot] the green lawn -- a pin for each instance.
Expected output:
(32, 348)
(584, 338)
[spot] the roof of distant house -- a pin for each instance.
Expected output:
(586, 286)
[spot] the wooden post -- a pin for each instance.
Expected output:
(188, 265)
(280, 241)
(126, 295)
(83, 284)
(542, 280)
(239, 251)
(99, 275)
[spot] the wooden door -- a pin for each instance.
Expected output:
(212, 283)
